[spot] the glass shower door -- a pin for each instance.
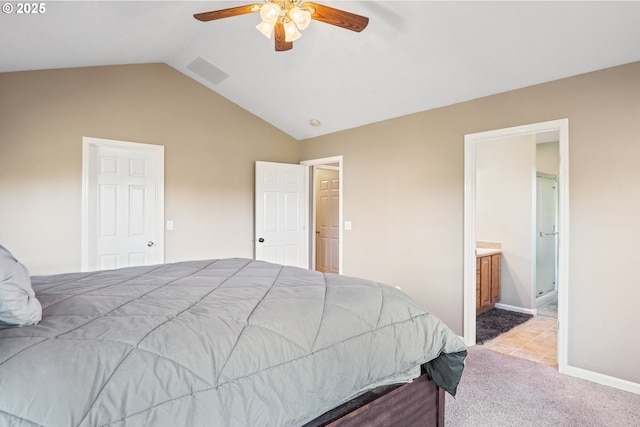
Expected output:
(546, 234)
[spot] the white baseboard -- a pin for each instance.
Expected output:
(516, 309)
(546, 298)
(607, 380)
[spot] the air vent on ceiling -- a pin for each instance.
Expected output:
(207, 71)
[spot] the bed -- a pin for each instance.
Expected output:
(225, 342)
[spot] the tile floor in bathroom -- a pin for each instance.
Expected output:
(536, 339)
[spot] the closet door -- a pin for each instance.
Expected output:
(282, 213)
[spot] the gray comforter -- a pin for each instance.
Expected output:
(230, 342)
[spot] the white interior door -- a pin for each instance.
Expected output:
(327, 183)
(282, 213)
(547, 234)
(124, 204)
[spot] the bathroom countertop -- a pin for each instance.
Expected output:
(487, 251)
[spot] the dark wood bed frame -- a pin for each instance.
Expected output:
(416, 404)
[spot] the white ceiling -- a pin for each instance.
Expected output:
(412, 57)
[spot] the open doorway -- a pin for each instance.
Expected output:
(326, 231)
(326, 182)
(288, 203)
(525, 296)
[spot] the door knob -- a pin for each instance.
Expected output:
(151, 243)
(260, 240)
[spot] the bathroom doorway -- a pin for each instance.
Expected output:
(327, 236)
(523, 295)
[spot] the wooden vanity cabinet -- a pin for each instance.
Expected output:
(495, 278)
(487, 282)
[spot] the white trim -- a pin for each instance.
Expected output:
(84, 207)
(158, 150)
(603, 379)
(469, 276)
(469, 242)
(563, 247)
(544, 299)
(501, 306)
(312, 241)
(533, 250)
(307, 184)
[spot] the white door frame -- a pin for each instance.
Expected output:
(158, 150)
(312, 220)
(470, 141)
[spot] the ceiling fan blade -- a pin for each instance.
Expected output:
(227, 13)
(281, 43)
(340, 18)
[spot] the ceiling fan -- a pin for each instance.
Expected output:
(286, 17)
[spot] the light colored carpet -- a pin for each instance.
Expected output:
(500, 390)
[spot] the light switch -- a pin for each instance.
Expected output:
(347, 225)
(169, 225)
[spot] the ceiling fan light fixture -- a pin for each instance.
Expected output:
(291, 31)
(269, 13)
(286, 18)
(265, 28)
(301, 17)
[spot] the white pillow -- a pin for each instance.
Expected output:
(18, 303)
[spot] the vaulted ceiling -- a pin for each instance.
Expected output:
(413, 56)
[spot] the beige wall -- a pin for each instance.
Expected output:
(403, 191)
(505, 197)
(548, 158)
(210, 148)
